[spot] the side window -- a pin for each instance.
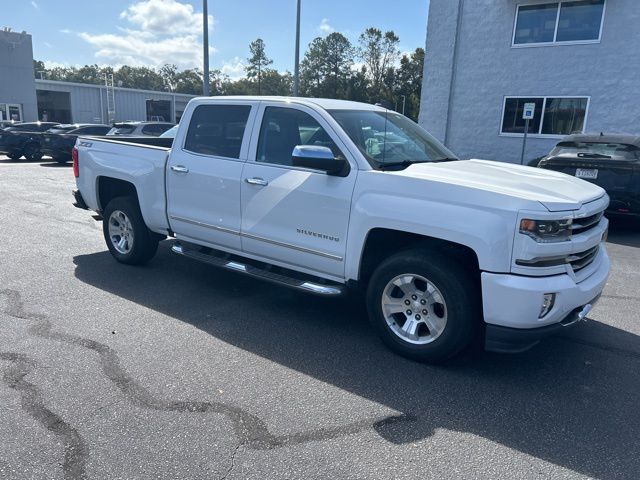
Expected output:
(217, 130)
(284, 128)
(153, 129)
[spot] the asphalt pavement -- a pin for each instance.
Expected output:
(178, 370)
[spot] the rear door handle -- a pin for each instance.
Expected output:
(179, 168)
(257, 181)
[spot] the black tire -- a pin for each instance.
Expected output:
(14, 155)
(61, 160)
(462, 305)
(144, 243)
(32, 152)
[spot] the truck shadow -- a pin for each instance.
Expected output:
(624, 231)
(573, 401)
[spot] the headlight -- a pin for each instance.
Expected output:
(547, 231)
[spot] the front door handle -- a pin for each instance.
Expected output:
(179, 168)
(257, 181)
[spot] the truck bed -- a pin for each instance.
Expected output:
(160, 142)
(139, 161)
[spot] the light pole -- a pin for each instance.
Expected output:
(296, 71)
(205, 41)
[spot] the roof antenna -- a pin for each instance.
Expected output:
(602, 134)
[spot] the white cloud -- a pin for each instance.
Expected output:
(164, 17)
(324, 28)
(47, 44)
(35, 5)
(66, 31)
(158, 32)
(235, 68)
(49, 65)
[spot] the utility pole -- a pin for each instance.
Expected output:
(205, 41)
(296, 74)
(404, 101)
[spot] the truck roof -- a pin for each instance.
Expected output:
(325, 103)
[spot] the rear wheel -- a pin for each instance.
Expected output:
(14, 155)
(61, 160)
(127, 236)
(32, 152)
(423, 305)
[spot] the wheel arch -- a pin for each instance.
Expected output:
(109, 188)
(376, 250)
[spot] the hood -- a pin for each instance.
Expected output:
(555, 191)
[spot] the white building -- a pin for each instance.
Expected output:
(578, 61)
(24, 98)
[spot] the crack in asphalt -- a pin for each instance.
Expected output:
(251, 430)
(75, 450)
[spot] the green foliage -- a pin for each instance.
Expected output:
(326, 67)
(326, 70)
(258, 61)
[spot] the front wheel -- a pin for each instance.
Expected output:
(423, 305)
(14, 155)
(127, 236)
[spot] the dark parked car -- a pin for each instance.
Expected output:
(611, 161)
(59, 141)
(23, 139)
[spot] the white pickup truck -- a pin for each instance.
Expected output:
(327, 195)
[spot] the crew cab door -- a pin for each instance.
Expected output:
(204, 174)
(295, 216)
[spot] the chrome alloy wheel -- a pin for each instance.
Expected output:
(414, 309)
(120, 232)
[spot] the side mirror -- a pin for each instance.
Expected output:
(319, 158)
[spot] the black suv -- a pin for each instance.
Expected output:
(23, 139)
(611, 161)
(58, 142)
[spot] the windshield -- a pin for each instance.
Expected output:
(388, 138)
(597, 149)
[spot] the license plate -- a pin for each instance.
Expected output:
(587, 172)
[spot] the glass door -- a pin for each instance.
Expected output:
(14, 112)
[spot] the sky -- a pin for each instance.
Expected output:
(155, 32)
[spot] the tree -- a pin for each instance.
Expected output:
(338, 62)
(409, 81)
(326, 67)
(258, 61)
(379, 52)
(311, 68)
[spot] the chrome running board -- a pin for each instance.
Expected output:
(237, 264)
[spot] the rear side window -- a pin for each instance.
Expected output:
(155, 129)
(217, 130)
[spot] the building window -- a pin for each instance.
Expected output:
(554, 116)
(558, 22)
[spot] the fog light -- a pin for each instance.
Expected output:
(547, 304)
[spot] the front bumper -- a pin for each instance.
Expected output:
(515, 340)
(513, 302)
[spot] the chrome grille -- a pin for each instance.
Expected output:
(578, 261)
(581, 225)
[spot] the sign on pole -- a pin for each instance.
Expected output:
(528, 113)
